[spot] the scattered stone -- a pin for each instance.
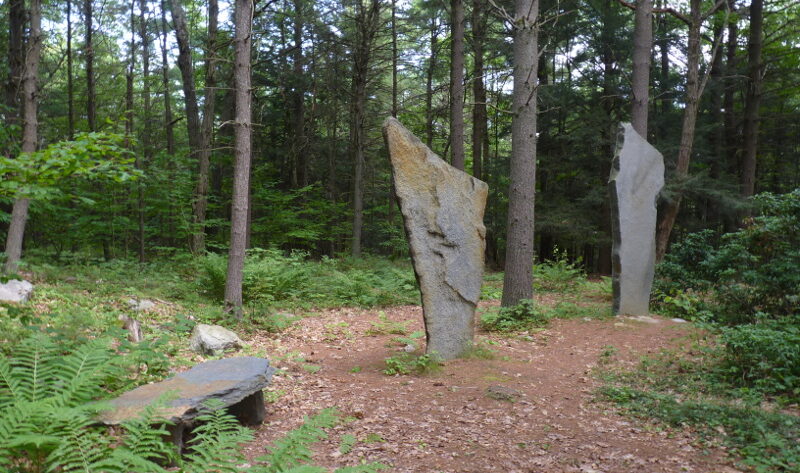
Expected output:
(15, 290)
(637, 176)
(679, 320)
(442, 211)
(236, 383)
(644, 318)
(213, 339)
(502, 393)
(143, 305)
(409, 348)
(133, 327)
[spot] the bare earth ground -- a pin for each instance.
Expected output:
(446, 423)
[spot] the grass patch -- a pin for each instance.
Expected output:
(407, 363)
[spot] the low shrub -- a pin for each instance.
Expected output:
(522, 316)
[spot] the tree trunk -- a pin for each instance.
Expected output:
(299, 163)
(457, 83)
(70, 85)
(146, 137)
(168, 125)
(429, 84)
(198, 243)
(367, 23)
(692, 100)
(755, 70)
(91, 95)
(19, 213)
(642, 47)
(518, 280)
(728, 101)
(16, 58)
(243, 17)
(479, 116)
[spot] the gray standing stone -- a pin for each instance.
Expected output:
(213, 339)
(442, 210)
(236, 383)
(637, 176)
(143, 305)
(15, 290)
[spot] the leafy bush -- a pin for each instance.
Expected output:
(270, 277)
(752, 272)
(557, 275)
(522, 316)
(765, 356)
(407, 363)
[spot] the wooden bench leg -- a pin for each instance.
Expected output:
(250, 410)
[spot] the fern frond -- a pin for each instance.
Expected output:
(215, 446)
(29, 367)
(81, 372)
(294, 449)
(145, 437)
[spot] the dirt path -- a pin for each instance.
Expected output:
(446, 422)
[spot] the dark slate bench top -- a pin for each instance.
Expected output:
(229, 380)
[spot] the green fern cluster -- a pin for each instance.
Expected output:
(49, 402)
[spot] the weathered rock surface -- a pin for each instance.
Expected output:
(15, 290)
(637, 176)
(213, 339)
(142, 305)
(442, 210)
(236, 382)
(503, 393)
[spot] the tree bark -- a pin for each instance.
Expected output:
(299, 161)
(70, 85)
(168, 125)
(692, 100)
(16, 58)
(429, 84)
(457, 83)
(200, 202)
(518, 279)
(755, 70)
(243, 17)
(146, 137)
(91, 95)
(367, 22)
(19, 213)
(642, 47)
(479, 116)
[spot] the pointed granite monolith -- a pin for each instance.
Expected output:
(443, 214)
(637, 176)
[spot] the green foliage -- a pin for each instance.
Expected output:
(753, 273)
(294, 449)
(384, 326)
(764, 356)
(89, 156)
(558, 275)
(522, 316)
(346, 443)
(215, 442)
(407, 363)
(272, 278)
(765, 440)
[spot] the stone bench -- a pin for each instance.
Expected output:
(235, 382)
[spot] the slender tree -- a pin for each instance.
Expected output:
(243, 18)
(432, 64)
(518, 279)
(367, 21)
(755, 71)
(457, 83)
(91, 94)
(30, 127)
(642, 48)
(479, 116)
(70, 85)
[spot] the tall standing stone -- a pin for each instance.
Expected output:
(442, 210)
(637, 176)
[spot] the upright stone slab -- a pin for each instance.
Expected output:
(637, 176)
(443, 214)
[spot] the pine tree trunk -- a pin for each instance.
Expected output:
(518, 279)
(429, 84)
(692, 101)
(243, 17)
(457, 84)
(198, 243)
(479, 117)
(642, 47)
(91, 95)
(755, 69)
(147, 147)
(70, 85)
(168, 125)
(19, 213)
